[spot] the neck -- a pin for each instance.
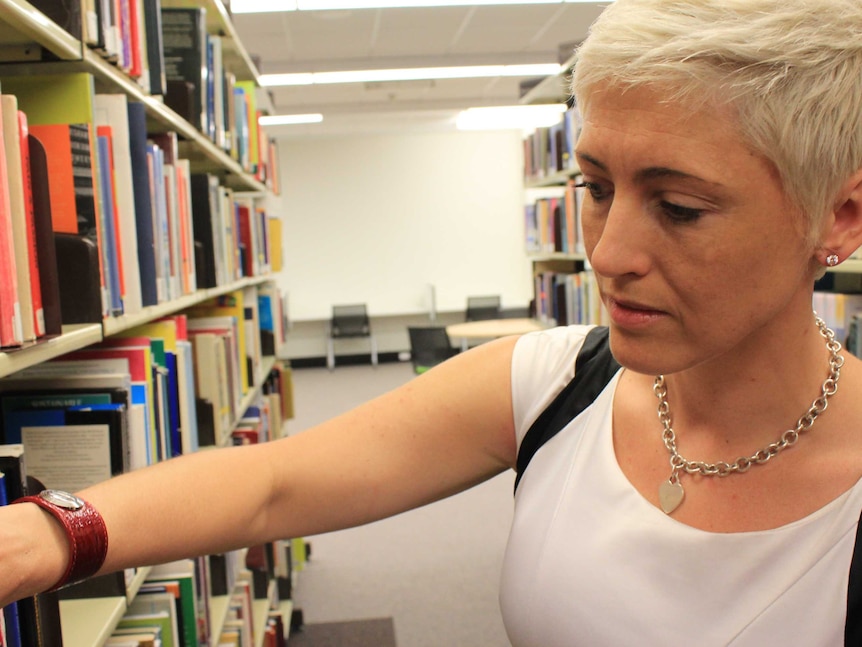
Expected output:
(745, 399)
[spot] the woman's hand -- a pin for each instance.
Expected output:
(33, 551)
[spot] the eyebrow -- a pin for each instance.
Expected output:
(649, 173)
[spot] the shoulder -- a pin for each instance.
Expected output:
(542, 364)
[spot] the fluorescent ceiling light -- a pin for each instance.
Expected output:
(260, 6)
(409, 74)
(524, 118)
(283, 120)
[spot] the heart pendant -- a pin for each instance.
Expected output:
(670, 495)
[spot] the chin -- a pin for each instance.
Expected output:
(644, 354)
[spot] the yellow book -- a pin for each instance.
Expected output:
(276, 260)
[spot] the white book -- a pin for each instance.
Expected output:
(112, 110)
(15, 183)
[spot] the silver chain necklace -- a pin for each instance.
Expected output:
(671, 493)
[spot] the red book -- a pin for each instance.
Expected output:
(136, 68)
(35, 281)
(246, 239)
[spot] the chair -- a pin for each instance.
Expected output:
(429, 346)
(479, 308)
(350, 321)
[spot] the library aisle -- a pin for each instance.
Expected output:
(435, 571)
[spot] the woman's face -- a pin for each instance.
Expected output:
(692, 239)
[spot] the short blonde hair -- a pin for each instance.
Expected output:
(792, 70)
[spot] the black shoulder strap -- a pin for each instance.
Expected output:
(594, 368)
(853, 623)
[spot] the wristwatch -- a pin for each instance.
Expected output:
(85, 530)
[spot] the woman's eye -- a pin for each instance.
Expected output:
(681, 214)
(594, 189)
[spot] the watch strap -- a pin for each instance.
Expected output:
(85, 530)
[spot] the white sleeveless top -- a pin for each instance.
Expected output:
(590, 562)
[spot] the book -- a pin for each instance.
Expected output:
(184, 41)
(160, 622)
(108, 221)
(72, 448)
(32, 236)
(59, 109)
(152, 11)
(161, 225)
(168, 145)
(205, 216)
(46, 252)
(181, 579)
(11, 331)
(184, 205)
(143, 203)
(163, 335)
(22, 234)
(113, 110)
(142, 428)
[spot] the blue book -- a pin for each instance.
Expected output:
(143, 202)
(109, 247)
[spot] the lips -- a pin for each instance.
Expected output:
(631, 313)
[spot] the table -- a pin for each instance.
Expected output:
(492, 328)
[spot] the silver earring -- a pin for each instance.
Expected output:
(832, 260)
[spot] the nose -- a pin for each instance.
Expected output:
(618, 241)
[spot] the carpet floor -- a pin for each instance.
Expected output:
(375, 632)
(434, 571)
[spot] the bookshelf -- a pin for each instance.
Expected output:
(32, 45)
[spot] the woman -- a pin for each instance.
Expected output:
(722, 156)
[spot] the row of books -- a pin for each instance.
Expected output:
(134, 399)
(174, 605)
(205, 94)
(551, 150)
(553, 224)
(168, 52)
(568, 298)
(99, 217)
(838, 310)
(126, 33)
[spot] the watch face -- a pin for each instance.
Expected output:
(62, 499)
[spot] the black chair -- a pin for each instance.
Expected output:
(350, 321)
(429, 346)
(479, 308)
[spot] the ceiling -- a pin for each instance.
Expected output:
(318, 41)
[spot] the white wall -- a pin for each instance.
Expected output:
(376, 219)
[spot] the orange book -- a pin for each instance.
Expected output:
(57, 142)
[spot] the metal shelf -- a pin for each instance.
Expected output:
(74, 337)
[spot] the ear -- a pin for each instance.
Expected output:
(842, 227)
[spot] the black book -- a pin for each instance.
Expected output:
(184, 39)
(155, 47)
(204, 208)
(79, 279)
(46, 252)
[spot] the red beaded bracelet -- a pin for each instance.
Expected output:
(85, 530)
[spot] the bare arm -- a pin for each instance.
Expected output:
(439, 434)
